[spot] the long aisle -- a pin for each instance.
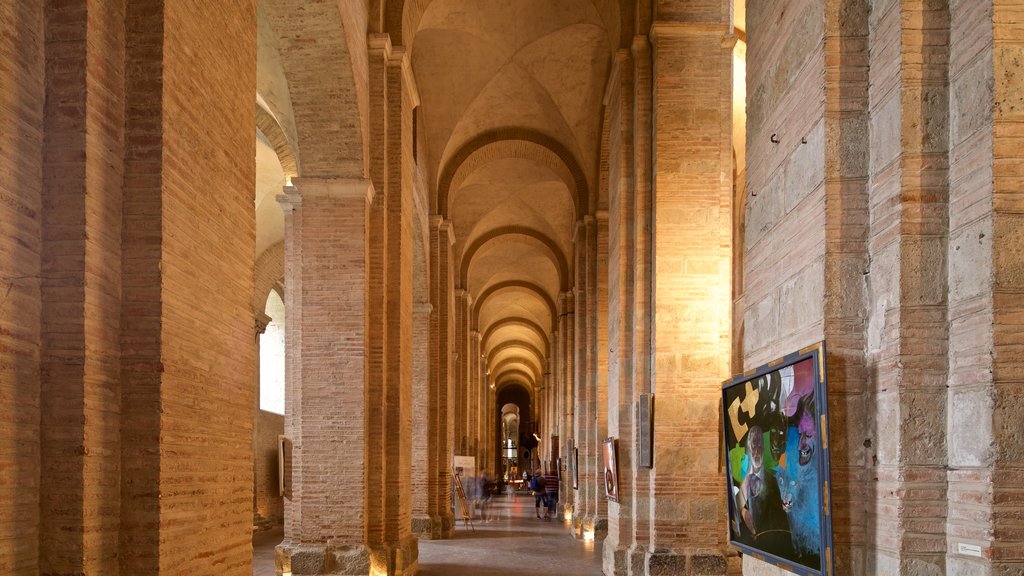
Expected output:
(513, 543)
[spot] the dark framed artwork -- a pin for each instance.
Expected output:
(775, 428)
(575, 468)
(611, 469)
(645, 431)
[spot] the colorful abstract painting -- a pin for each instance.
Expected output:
(775, 432)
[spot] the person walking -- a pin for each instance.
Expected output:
(539, 494)
(551, 489)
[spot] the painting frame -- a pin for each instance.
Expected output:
(775, 438)
(611, 468)
(575, 468)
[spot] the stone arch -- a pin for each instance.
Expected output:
(505, 380)
(553, 251)
(524, 143)
(529, 286)
(537, 372)
(401, 19)
(324, 55)
(271, 129)
(526, 322)
(269, 275)
(514, 344)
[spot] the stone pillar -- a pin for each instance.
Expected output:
(620, 311)
(567, 397)
(326, 257)
(986, 236)
(639, 252)
(440, 409)
(907, 327)
(597, 239)
(692, 214)
(583, 431)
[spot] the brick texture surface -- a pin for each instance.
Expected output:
(81, 287)
(187, 319)
(21, 140)
(692, 211)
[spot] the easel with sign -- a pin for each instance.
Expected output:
(467, 514)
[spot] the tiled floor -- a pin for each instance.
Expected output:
(515, 543)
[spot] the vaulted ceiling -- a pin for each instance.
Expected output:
(510, 122)
(511, 96)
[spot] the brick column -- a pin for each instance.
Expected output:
(907, 246)
(83, 170)
(460, 384)
(424, 454)
(582, 430)
(692, 214)
(441, 241)
(326, 334)
(392, 98)
(476, 368)
(186, 318)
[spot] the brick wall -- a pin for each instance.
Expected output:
(267, 501)
(21, 139)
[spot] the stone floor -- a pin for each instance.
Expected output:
(514, 543)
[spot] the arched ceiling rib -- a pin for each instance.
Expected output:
(513, 142)
(517, 362)
(524, 287)
(495, 235)
(322, 47)
(517, 326)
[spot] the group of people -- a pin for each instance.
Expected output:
(545, 491)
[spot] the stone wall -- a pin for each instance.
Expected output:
(881, 221)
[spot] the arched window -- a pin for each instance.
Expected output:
(272, 357)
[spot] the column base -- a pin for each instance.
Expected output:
(422, 526)
(447, 523)
(304, 559)
(396, 560)
(615, 559)
(691, 562)
(432, 527)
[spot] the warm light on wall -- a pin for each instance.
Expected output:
(568, 515)
(588, 536)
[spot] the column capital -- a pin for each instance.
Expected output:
(332, 188)
(262, 321)
(423, 308)
(601, 215)
(289, 199)
(444, 227)
(663, 30)
(641, 46)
